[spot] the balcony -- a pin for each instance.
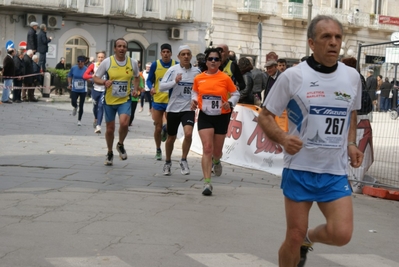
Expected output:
(47, 4)
(257, 7)
(123, 8)
(295, 11)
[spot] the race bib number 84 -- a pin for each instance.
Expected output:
(326, 127)
(212, 105)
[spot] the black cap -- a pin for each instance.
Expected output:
(166, 46)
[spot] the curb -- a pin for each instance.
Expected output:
(381, 193)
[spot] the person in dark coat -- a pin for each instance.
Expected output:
(28, 81)
(60, 65)
(385, 88)
(38, 79)
(371, 83)
(19, 71)
(246, 95)
(32, 37)
(42, 46)
(8, 71)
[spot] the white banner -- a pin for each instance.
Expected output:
(245, 145)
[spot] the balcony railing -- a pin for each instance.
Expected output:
(295, 11)
(69, 4)
(122, 7)
(94, 3)
(257, 7)
(179, 9)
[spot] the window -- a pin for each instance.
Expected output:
(377, 6)
(338, 3)
(74, 47)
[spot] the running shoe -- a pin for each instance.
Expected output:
(158, 155)
(109, 158)
(140, 110)
(207, 190)
(79, 123)
(164, 134)
(122, 152)
(304, 251)
(98, 129)
(166, 168)
(185, 170)
(74, 111)
(217, 169)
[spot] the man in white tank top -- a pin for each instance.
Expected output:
(321, 97)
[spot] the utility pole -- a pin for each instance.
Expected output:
(310, 6)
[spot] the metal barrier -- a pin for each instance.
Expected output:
(383, 59)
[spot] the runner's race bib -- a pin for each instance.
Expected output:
(79, 84)
(212, 105)
(326, 126)
(119, 88)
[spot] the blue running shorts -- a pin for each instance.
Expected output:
(159, 106)
(111, 110)
(309, 186)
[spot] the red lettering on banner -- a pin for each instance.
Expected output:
(235, 126)
(263, 143)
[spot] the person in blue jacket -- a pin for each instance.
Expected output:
(78, 87)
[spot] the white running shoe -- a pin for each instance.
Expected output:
(122, 151)
(185, 170)
(74, 111)
(166, 168)
(79, 123)
(98, 129)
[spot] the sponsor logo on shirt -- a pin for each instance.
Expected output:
(342, 96)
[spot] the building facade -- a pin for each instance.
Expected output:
(82, 27)
(284, 24)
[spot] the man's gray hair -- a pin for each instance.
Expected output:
(312, 26)
(35, 57)
(29, 52)
(43, 26)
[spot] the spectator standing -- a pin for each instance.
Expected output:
(146, 94)
(28, 81)
(259, 82)
(378, 92)
(281, 64)
(371, 83)
(38, 79)
(8, 71)
(60, 65)
(386, 88)
(272, 75)
(19, 71)
(246, 95)
(32, 37)
(42, 46)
